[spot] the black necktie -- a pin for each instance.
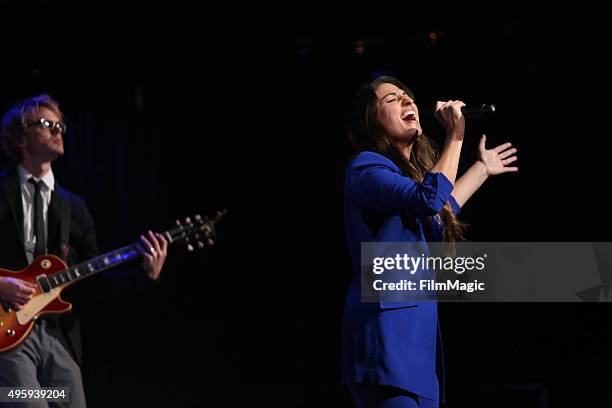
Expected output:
(39, 226)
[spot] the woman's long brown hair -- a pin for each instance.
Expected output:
(368, 134)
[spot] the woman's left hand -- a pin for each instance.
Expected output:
(496, 160)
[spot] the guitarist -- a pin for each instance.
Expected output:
(37, 216)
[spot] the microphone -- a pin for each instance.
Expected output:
(478, 112)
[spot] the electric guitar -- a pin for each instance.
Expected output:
(51, 275)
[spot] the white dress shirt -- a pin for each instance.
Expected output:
(27, 201)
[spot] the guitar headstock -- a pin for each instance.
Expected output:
(198, 232)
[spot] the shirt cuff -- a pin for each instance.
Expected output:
(454, 205)
(439, 190)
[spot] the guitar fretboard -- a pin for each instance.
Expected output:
(182, 233)
(94, 265)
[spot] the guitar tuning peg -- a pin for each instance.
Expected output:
(210, 241)
(190, 247)
(200, 244)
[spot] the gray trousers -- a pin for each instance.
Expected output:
(42, 361)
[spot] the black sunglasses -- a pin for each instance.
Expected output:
(49, 124)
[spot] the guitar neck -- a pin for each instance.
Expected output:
(198, 229)
(93, 266)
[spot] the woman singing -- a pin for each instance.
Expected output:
(399, 188)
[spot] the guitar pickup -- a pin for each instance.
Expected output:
(44, 283)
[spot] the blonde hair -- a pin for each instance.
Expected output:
(15, 122)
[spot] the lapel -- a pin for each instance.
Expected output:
(10, 185)
(53, 220)
(58, 226)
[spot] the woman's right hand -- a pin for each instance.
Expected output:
(450, 116)
(15, 291)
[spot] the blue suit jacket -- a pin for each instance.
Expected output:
(390, 343)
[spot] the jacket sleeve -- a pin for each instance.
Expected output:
(454, 205)
(378, 185)
(117, 281)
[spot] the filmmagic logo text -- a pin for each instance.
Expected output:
(430, 285)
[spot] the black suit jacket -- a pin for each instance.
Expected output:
(71, 236)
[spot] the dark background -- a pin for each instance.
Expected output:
(175, 109)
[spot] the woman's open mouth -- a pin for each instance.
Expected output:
(408, 116)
